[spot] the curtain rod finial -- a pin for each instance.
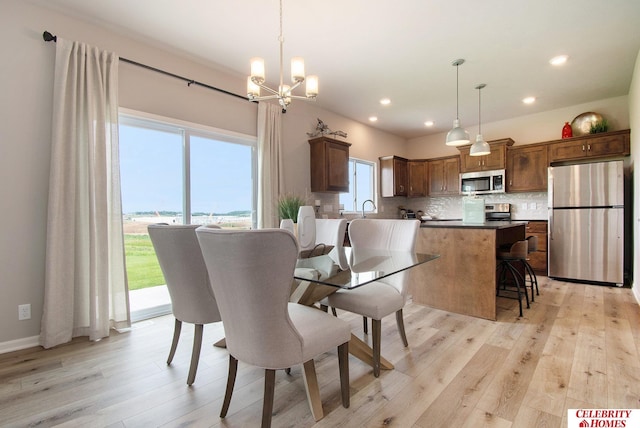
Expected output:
(48, 37)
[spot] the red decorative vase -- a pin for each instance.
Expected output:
(567, 132)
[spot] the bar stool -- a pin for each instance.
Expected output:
(533, 279)
(517, 252)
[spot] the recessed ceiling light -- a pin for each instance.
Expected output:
(429, 123)
(529, 100)
(558, 60)
(385, 101)
(373, 119)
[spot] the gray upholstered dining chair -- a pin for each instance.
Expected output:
(251, 273)
(331, 232)
(388, 295)
(183, 267)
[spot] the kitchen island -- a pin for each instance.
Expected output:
(463, 279)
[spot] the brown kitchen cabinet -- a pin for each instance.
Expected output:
(538, 259)
(329, 165)
(527, 168)
(444, 176)
(497, 159)
(394, 176)
(417, 178)
(602, 145)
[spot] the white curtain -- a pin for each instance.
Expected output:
(270, 176)
(85, 281)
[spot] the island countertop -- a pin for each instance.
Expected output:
(457, 224)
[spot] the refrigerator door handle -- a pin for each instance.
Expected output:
(551, 226)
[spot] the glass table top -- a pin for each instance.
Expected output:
(365, 266)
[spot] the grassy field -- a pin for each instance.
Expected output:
(143, 269)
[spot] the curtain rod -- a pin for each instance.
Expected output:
(48, 37)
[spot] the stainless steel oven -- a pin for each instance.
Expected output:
(482, 182)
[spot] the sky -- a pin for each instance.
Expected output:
(151, 168)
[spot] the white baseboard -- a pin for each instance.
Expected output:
(636, 292)
(18, 344)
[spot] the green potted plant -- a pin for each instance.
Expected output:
(288, 206)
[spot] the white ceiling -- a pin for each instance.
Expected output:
(364, 50)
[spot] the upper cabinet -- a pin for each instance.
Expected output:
(444, 176)
(394, 175)
(329, 165)
(497, 159)
(608, 144)
(417, 180)
(527, 168)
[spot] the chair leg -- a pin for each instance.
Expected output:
(365, 325)
(400, 323)
(376, 330)
(333, 311)
(195, 353)
(177, 327)
(313, 389)
(533, 279)
(269, 390)
(231, 380)
(343, 364)
(515, 274)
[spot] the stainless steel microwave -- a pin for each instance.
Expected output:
(482, 182)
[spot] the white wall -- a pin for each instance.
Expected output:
(634, 114)
(26, 73)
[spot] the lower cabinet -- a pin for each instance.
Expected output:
(538, 259)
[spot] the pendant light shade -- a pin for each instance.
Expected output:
(457, 136)
(480, 147)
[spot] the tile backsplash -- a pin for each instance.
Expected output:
(524, 206)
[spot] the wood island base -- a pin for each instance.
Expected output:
(463, 279)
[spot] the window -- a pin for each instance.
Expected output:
(361, 185)
(178, 173)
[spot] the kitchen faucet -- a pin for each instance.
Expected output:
(368, 200)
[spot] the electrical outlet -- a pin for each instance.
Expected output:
(24, 312)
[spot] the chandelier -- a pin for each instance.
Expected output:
(284, 94)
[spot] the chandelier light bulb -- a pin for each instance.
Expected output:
(312, 86)
(253, 90)
(297, 69)
(257, 70)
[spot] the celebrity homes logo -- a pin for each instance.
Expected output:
(603, 418)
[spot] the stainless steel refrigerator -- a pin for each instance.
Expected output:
(586, 222)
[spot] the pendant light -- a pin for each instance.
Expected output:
(480, 147)
(458, 136)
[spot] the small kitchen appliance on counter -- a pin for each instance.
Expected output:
(498, 212)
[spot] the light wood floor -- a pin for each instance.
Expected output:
(577, 346)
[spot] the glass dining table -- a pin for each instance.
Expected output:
(320, 276)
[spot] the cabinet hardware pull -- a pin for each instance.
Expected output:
(583, 147)
(589, 147)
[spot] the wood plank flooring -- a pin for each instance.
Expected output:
(578, 346)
